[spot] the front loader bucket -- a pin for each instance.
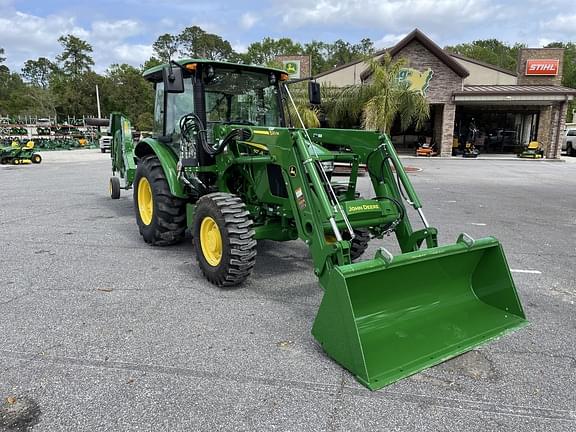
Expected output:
(385, 320)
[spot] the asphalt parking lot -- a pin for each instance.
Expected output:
(100, 332)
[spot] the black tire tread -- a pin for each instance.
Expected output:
(360, 242)
(240, 235)
(115, 184)
(169, 211)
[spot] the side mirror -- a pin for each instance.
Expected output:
(314, 93)
(173, 80)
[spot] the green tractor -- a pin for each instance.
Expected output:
(226, 162)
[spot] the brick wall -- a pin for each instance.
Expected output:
(448, 117)
(544, 128)
(558, 124)
(443, 83)
(539, 53)
(437, 124)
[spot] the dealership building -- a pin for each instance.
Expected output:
(504, 109)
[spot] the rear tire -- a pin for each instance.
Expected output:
(569, 150)
(114, 187)
(224, 239)
(360, 243)
(161, 217)
(36, 158)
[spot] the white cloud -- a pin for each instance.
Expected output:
(248, 20)
(116, 29)
(25, 36)
(239, 47)
(394, 15)
(388, 40)
(134, 54)
(542, 42)
(561, 25)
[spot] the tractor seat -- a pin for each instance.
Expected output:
(533, 145)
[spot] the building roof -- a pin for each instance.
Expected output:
(345, 65)
(430, 45)
(482, 90)
(483, 64)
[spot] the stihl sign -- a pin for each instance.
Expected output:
(542, 67)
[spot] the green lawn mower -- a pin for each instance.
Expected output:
(18, 154)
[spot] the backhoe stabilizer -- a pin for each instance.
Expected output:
(385, 319)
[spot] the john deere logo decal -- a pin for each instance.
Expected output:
(363, 208)
(291, 68)
(292, 171)
(418, 81)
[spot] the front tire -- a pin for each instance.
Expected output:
(224, 239)
(36, 158)
(359, 244)
(161, 217)
(114, 187)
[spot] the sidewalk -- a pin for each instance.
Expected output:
(492, 157)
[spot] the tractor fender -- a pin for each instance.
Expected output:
(168, 160)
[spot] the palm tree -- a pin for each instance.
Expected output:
(378, 102)
(308, 113)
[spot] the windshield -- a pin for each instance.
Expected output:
(242, 97)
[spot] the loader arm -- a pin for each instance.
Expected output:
(390, 316)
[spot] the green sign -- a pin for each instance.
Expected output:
(419, 81)
(292, 68)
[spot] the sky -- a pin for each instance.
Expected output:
(122, 31)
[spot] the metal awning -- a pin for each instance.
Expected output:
(513, 95)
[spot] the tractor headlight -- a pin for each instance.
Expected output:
(327, 166)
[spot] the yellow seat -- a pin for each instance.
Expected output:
(533, 145)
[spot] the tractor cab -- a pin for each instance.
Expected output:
(215, 94)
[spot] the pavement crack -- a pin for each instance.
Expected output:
(333, 422)
(13, 299)
(487, 407)
(571, 358)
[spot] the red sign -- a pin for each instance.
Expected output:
(542, 67)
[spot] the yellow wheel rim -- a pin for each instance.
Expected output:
(211, 241)
(110, 186)
(145, 201)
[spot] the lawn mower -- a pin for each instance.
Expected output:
(18, 154)
(532, 151)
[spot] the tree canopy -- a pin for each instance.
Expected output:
(491, 51)
(38, 72)
(65, 85)
(380, 100)
(76, 55)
